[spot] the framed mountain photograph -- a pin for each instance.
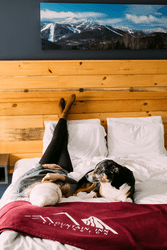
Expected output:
(83, 26)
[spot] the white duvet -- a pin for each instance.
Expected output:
(151, 188)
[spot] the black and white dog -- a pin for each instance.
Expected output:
(110, 180)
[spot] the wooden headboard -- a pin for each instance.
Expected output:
(30, 91)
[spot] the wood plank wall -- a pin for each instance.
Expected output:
(30, 90)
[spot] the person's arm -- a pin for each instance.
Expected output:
(51, 166)
(53, 177)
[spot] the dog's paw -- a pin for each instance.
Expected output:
(84, 195)
(124, 188)
(129, 200)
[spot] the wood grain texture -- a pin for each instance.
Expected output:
(30, 91)
(29, 83)
(82, 67)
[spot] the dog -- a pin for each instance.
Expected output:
(109, 180)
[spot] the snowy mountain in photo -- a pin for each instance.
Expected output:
(86, 34)
(56, 31)
(146, 31)
(156, 30)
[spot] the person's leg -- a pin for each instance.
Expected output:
(53, 151)
(68, 106)
(62, 105)
(64, 157)
(57, 151)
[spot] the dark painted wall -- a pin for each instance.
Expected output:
(20, 36)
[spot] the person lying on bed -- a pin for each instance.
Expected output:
(55, 163)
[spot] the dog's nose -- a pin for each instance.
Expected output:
(89, 176)
(86, 176)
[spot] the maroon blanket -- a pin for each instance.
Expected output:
(91, 225)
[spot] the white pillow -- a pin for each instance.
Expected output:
(45, 194)
(135, 139)
(22, 166)
(137, 120)
(86, 138)
(94, 121)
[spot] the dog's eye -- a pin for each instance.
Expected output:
(116, 170)
(112, 169)
(98, 171)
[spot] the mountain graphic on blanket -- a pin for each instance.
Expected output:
(95, 222)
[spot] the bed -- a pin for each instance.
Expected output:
(121, 114)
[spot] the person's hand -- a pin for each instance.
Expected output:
(53, 177)
(51, 166)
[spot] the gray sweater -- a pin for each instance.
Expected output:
(37, 174)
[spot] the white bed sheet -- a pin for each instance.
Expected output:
(151, 188)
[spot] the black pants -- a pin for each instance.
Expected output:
(57, 151)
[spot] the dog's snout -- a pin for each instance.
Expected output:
(90, 176)
(87, 176)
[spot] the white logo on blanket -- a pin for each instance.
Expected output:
(98, 225)
(95, 222)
